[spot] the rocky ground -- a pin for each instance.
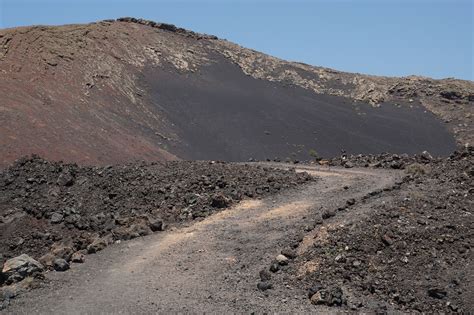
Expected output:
(412, 252)
(51, 210)
(211, 265)
(393, 234)
(383, 160)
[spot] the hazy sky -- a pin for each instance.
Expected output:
(384, 37)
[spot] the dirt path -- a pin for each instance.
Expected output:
(209, 266)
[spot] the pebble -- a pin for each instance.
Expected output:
(263, 286)
(340, 258)
(60, 265)
(274, 267)
(56, 218)
(265, 275)
(282, 259)
(289, 253)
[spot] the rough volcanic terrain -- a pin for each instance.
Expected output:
(63, 208)
(208, 266)
(129, 89)
(394, 234)
(123, 102)
(412, 250)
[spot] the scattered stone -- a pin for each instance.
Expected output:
(16, 269)
(351, 202)
(318, 220)
(65, 179)
(328, 214)
(282, 260)
(289, 253)
(453, 307)
(60, 250)
(330, 297)
(317, 298)
(437, 293)
(314, 288)
(263, 286)
(60, 265)
(156, 225)
(386, 239)
(219, 201)
(340, 258)
(348, 165)
(97, 245)
(265, 275)
(425, 155)
(274, 267)
(56, 218)
(78, 257)
(47, 260)
(133, 230)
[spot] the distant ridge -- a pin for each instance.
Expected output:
(121, 90)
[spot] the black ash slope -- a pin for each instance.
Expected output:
(220, 113)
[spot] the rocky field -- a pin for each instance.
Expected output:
(369, 232)
(53, 211)
(405, 246)
(413, 250)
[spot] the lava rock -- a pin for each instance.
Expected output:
(97, 245)
(265, 275)
(56, 218)
(314, 288)
(219, 201)
(386, 239)
(47, 260)
(318, 298)
(329, 297)
(318, 220)
(437, 293)
(18, 268)
(274, 267)
(328, 214)
(340, 258)
(60, 250)
(263, 286)
(60, 265)
(289, 252)
(65, 179)
(78, 257)
(156, 225)
(425, 155)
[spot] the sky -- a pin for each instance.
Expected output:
(432, 38)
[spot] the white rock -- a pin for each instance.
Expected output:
(282, 259)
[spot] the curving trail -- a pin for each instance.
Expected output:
(209, 266)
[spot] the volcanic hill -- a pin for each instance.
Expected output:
(128, 89)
